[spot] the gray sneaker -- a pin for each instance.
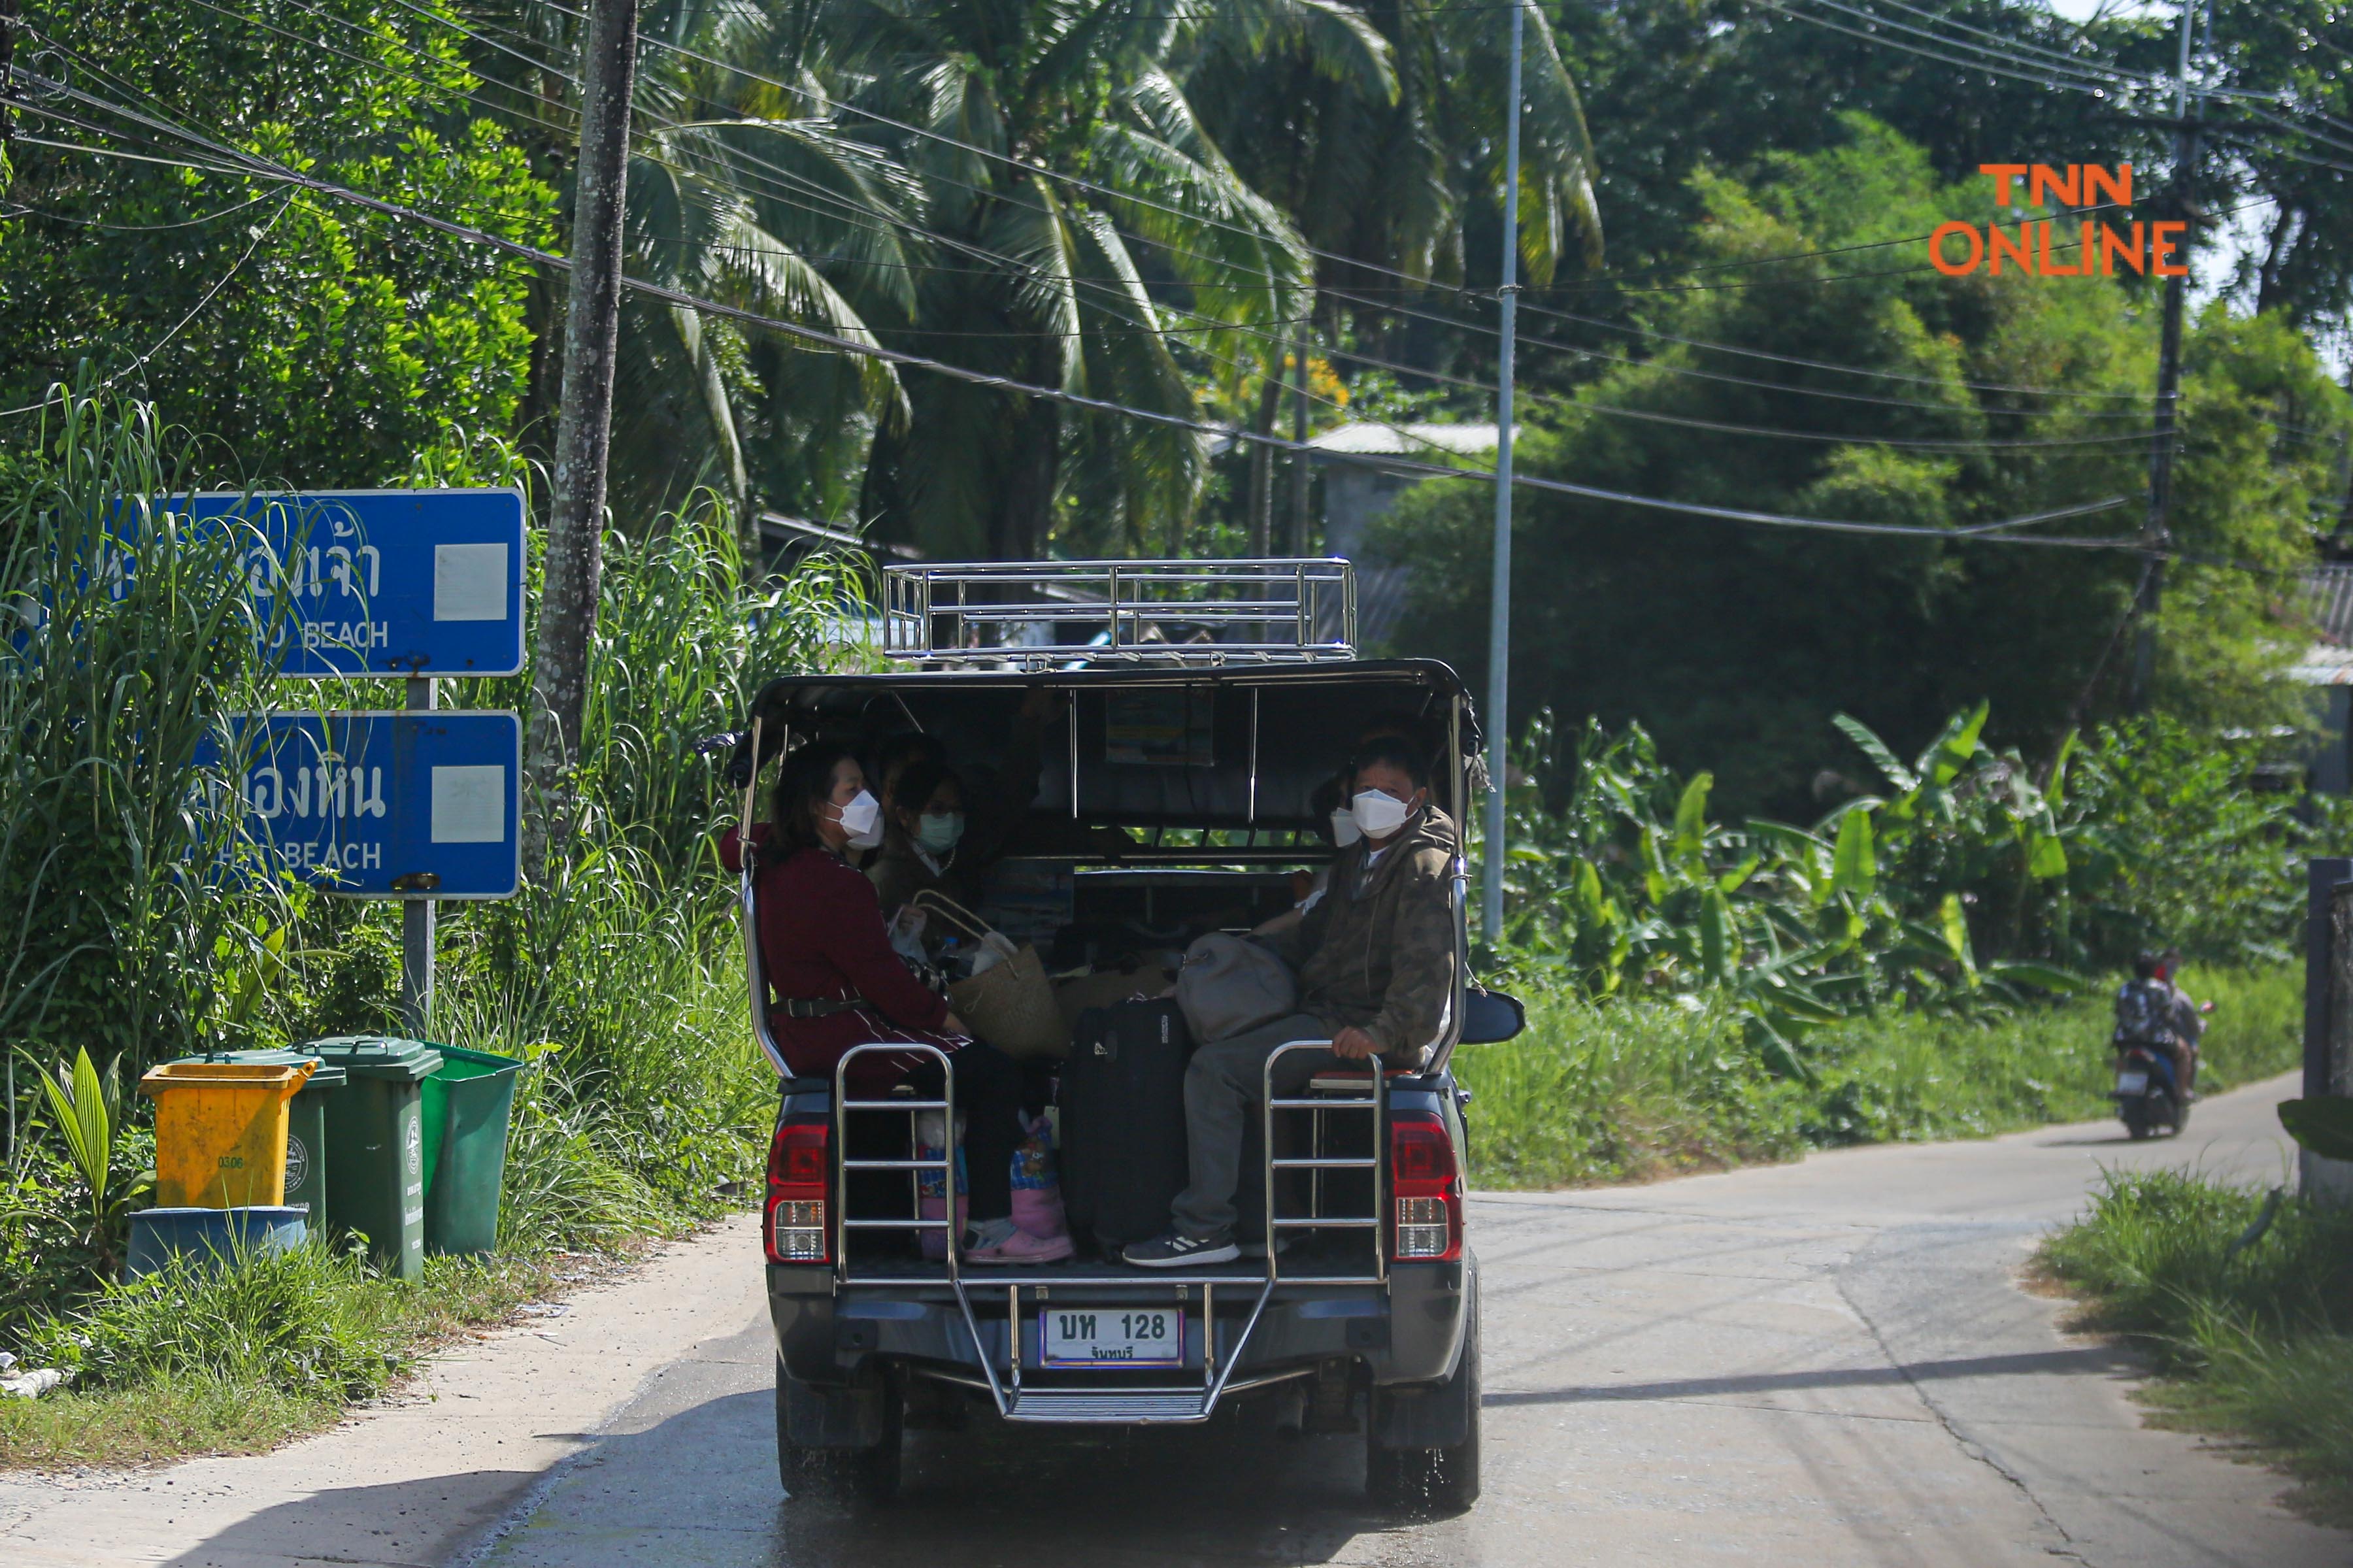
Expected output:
(1174, 1250)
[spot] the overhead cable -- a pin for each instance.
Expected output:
(1994, 532)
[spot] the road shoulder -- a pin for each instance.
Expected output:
(420, 1480)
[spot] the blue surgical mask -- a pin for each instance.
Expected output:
(937, 831)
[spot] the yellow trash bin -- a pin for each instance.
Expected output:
(220, 1131)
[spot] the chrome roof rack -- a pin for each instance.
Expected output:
(1047, 615)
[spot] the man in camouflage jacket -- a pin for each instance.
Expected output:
(1378, 945)
(1378, 979)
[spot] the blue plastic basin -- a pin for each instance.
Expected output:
(207, 1237)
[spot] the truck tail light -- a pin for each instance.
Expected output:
(1427, 1186)
(798, 1168)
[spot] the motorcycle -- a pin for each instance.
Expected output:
(2147, 1095)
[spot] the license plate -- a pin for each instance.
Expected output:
(2132, 1082)
(1112, 1336)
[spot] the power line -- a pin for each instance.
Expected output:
(1987, 532)
(852, 213)
(1580, 407)
(1954, 445)
(21, 209)
(139, 362)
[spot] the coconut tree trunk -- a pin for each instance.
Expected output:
(1260, 502)
(567, 606)
(1019, 529)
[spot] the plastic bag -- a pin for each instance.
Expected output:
(1038, 1186)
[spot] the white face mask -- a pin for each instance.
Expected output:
(1344, 827)
(863, 820)
(1377, 814)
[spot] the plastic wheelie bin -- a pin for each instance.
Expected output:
(306, 1125)
(220, 1131)
(375, 1143)
(468, 1105)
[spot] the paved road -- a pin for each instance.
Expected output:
(1825, 1363)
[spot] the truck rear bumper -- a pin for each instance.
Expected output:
(1408, 1331)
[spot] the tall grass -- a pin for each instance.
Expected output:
(2253, 1320)
(1640, 1088)
(239, 1360)
(127, 635)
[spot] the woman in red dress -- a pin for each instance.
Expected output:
(837, 982)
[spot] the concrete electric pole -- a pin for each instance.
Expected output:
(2163, 435)
(1499, 627)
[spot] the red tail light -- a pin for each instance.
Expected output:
(1427, 1186)
(796, 1230)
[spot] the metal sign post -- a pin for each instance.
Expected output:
(416, 917)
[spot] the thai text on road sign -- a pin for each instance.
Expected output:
(395, 804)
(413, 582)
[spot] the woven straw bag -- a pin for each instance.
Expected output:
(1010, 1005)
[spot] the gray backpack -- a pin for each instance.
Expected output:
(1231, 984)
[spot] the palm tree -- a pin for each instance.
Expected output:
(740, 192)
(1388, 165)
(1050, 280)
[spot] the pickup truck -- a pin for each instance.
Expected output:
(1198, 707)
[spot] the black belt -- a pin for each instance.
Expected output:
(802, 1007)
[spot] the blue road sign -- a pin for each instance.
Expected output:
(384, 806)
(385, 581)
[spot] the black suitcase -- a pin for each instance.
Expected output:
(1122, 1120)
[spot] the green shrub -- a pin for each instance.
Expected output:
(1643, 1087)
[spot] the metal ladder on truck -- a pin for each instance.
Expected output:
(1014, 1388)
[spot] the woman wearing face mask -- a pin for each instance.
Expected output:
(837, 983)
(925, 839)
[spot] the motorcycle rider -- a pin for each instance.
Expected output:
(2150, 1011)
(2188, 1023)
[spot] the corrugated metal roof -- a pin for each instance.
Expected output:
(2331, 596)
(1408, 440)
(2323, 664)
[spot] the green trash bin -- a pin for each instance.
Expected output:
(468, 1105)
(306, 1126)
(375, 1143)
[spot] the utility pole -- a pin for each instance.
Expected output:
(1499, 626)
(584, 428)
(1300, 472)
(2151, 591)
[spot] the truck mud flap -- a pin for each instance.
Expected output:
(1432, 1415)
(855, 1416)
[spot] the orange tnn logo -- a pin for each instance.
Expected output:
(1957, 249)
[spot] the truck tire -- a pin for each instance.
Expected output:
(1439, 1479)
(864, 1471)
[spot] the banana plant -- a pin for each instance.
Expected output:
(1620, 881)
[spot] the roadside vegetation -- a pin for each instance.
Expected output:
(2245, 1300)
(1922, 961)
(1642, 1088)
(644, 1107)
